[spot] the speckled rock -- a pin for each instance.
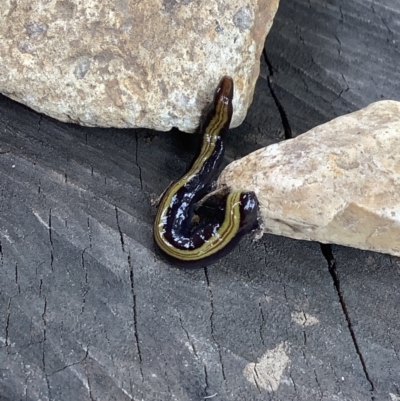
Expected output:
(131, 63)
(337, 183)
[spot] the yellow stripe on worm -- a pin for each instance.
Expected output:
(172, 227)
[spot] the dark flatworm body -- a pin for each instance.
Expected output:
(173, 234)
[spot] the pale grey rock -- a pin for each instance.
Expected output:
(338, 183)
(131, 63)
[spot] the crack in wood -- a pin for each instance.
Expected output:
(121, 236)
(321, 393)
(7, 342)
(262, 325)
(89, 387)
(39, 125)
(46, 376)
(327, 252)
(51, 243)
(86, 285)
(89, 232)
(206, 387)
(206, 379)
(285, 122)
(68, 365)
(1, 255)
(212, 322)
(134, 310)
(294, 383)
(16, 278)
(132, 282)
(256, 377)
(137, 162)
(188, 337)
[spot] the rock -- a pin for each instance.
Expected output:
(130, 63)
(338, 183)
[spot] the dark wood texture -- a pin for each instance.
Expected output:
(89, 312)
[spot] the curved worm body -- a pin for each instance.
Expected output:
(199, 247)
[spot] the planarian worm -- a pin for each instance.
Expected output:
(205, 244)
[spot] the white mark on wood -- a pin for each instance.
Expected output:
(304, 319)
(268, 372)
(5, 235)
(81, 376)
(41, 221)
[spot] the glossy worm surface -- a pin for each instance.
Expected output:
(173, 232)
